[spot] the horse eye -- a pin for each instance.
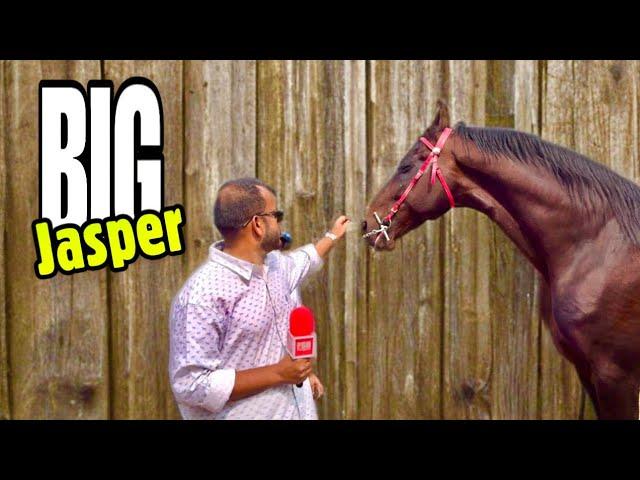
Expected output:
(404, 168)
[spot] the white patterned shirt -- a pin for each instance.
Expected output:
(234, 315)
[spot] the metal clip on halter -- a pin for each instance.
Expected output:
(383, 229)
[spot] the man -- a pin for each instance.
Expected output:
(229, 322)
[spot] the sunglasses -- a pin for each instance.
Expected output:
(277, 214)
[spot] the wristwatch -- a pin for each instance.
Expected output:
(332, 236)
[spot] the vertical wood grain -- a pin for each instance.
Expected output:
(304, 147)
(5, 409)
(220, 143)
(402, 362)
(468, 323)
(57, 327)
(140, 297)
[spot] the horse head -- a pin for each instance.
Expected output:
(428, 199)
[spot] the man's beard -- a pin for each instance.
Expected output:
(271, 241)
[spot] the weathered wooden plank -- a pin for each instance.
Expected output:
(5, 410)
(401, 365)
(605, 113)
(140, 297)
(527, 96)
(511, 102)
(303, 108)
(560, 389)
(605, 126)
(355, 266)
(58, 327)
(467, 347)
(220, 142)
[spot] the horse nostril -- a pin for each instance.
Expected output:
(364, 226)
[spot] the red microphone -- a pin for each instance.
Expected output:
(301, 341)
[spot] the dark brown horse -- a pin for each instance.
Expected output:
(578, 223)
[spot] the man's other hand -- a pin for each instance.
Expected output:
(316, 386)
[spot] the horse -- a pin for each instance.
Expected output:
(575, 220)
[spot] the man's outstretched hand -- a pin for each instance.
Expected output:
(340, 226)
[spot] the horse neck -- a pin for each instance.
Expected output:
(529, 204)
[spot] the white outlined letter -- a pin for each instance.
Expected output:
(59, 106)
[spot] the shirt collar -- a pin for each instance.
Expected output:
(242, 267)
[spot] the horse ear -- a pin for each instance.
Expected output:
(441, 121)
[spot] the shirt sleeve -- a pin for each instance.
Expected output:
(197, 380)
(301, 263)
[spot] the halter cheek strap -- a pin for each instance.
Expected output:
(432, 159)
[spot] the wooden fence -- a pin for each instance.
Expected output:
(446, 326)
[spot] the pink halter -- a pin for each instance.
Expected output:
(432, 158)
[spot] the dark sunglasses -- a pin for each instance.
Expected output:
(277, 214)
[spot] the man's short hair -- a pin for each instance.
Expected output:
(236, 203)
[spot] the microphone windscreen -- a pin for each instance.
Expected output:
(285, 238)
(301, 322)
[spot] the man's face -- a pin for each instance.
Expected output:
(271, 239)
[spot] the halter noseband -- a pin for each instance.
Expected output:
(432, 159)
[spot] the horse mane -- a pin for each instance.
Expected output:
(591, 185)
